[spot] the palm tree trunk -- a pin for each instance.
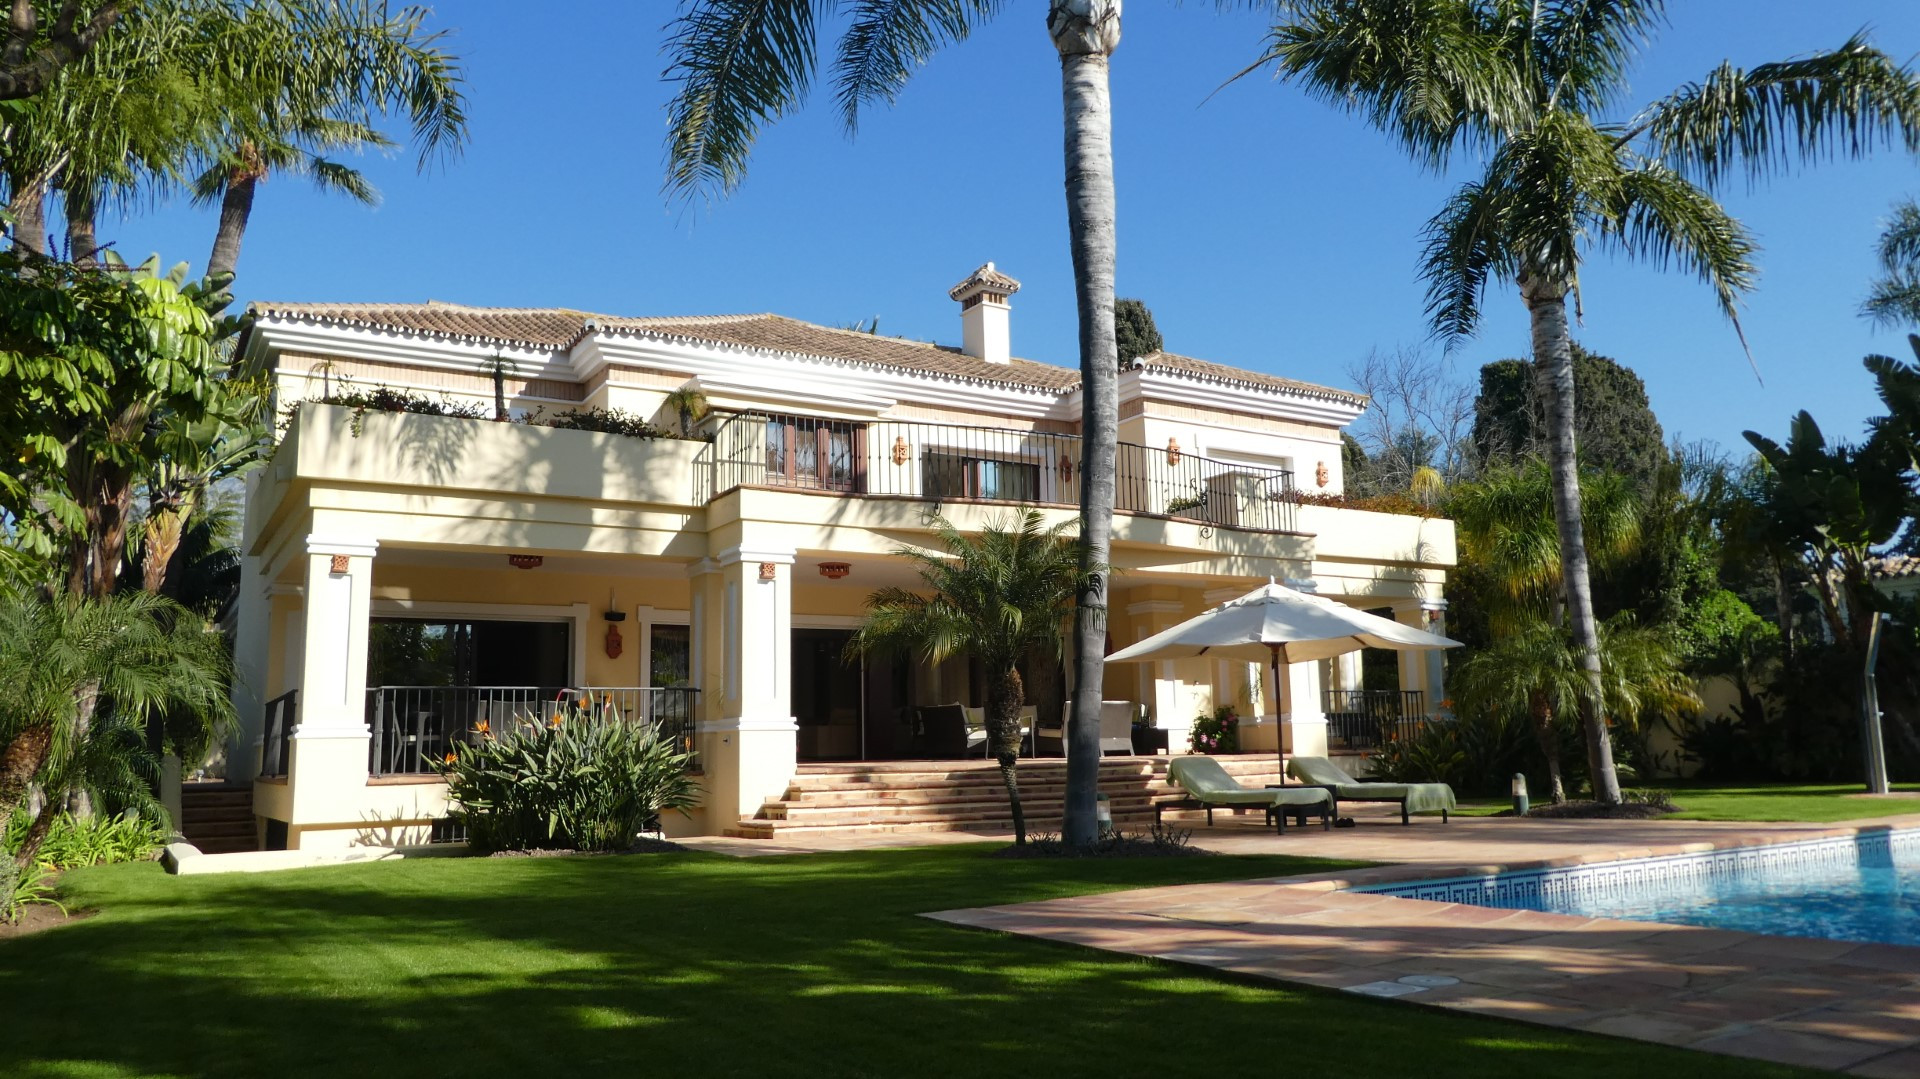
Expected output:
(20, 762)
(29, 209)
(1004, 695)
(1546, 297)
(164, 529)
(37, 833)
(235, 207)
(1086, 32)
(82, 243)
(1549, 746)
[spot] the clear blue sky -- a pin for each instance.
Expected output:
(1265, 230)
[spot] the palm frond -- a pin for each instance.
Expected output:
(739, 64)
(1430, 75)
(1895, 296)
(1660, 216)
(1464, 251)
(1847, 102)
(889, 39)
(1586, 47)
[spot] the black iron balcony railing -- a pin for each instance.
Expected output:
(414, 726)
(1361, 719)
(948, 463)
(274, 751)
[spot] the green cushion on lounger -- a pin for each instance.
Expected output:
(1419, 797)
(1203, 778)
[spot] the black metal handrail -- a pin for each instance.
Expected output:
(275, 754)
(415, 726)
(951, 463)
(1364, 718)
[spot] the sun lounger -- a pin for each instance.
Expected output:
(1411, 797)
(1208, 785)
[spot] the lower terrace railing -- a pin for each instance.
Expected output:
(944, 462)
(1361, 719)
(414, 726)
(274, 750)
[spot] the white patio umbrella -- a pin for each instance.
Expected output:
(1280, 625)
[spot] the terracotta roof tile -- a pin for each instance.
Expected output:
(558, 328)
(1215, 372)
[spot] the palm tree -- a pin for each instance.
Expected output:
(1531, 87)
(741, 66)
(690, 405)
(326, 72)
(1895, 299)
(1506, 525)
(1537, 671)
(64, 658)
(997, 597)
(190, 457)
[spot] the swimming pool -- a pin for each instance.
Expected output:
(1863, 887)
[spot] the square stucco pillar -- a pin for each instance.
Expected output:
(327, 771)
(1436, 660)
(1303, 726)
(1162, 689)
(747, 737)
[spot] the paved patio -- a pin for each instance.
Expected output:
(1820, 1003)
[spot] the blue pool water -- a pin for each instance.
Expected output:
(1864, 888)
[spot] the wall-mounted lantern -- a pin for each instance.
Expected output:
(613, 615)
(833, 571)
(901, 451)
(525, 561)
(1173, 451)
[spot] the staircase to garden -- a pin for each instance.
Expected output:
(945, 796)
(217, 818)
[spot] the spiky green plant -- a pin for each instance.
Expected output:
(1536, 91)
(582, 780)
(997, 596)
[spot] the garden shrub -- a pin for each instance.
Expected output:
(1217, 733)
(609, 421)
(72, 842)
(1476, 753)
(576, 782)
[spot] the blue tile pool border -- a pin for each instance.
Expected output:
(1552, 887)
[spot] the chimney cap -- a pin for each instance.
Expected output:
(984, 279)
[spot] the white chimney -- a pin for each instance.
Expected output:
(984, 329)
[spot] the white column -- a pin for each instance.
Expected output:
(327, 774)
(1303, 721)
(1413, 665)
(1172, 711)
(748, 743)
(1436, 660)
(253, 637)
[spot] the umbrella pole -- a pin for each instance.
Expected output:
(1279, 730)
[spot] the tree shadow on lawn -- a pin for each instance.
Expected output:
(806, 965)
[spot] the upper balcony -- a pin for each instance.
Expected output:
(945, 463)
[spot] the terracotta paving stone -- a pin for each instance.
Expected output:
(1819, 1003)
(1792, 1047)
(1901, 1064)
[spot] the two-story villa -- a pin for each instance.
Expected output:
(411, 576)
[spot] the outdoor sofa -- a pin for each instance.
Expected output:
(1208, 785)
(1321, 773)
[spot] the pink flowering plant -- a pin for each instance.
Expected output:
(1218, 732)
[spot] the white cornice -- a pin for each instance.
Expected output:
(1276, 403)
(824, 376)
(275, 334)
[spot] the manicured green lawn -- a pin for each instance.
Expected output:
(694, 965)
(1764, 802)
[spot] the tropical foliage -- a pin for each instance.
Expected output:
(80, 681)
(583, 780)
(999, 597)
(739, 67)
(1533, 91)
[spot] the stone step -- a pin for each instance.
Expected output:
(195, 831)
(224, 845)
(775, 829)
(933, 796)
(995, 807)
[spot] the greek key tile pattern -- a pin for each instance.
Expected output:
(1574, 886)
